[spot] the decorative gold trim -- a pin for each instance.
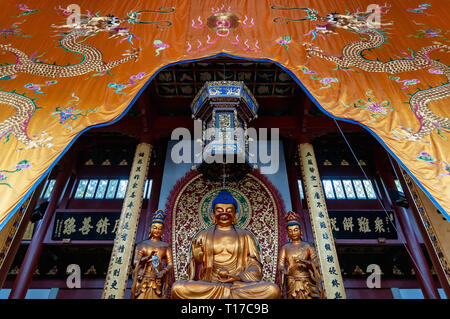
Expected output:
(320, 222)
(274, 260)
(174, 218)
(122, 252)
(423, 214)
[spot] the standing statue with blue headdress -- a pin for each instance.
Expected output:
(150, 280)
(225, 261)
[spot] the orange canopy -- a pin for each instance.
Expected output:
(66, 68)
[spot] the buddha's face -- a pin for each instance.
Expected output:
(294, 232)
(156, 230)
(224, 214)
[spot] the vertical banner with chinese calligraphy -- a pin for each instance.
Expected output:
(119, 265)
(320, 222)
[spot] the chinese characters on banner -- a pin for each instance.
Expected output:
(119, 265)
(362, 225)
(323, 236)
(85, 225)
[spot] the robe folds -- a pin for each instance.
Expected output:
(244, 262)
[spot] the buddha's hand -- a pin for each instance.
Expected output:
(148, 257)
(197, 249)
(225, 277)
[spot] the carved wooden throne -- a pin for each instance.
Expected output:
(261, 209)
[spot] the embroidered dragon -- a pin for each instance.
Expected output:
(92, 61)
(92, 57)
(17, 124)
(372, 37)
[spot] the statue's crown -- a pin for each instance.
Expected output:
(292, 219)
(159, 216)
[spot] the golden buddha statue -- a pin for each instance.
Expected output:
(150, 280)
(228, 260)
(301, 277)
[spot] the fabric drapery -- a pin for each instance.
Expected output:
(58, 79)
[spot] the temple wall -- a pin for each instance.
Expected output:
(173, 172)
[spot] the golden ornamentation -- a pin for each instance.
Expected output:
(150, 280)
(425, 208)
(223, 21)
(320, 223)
(186, 224)
(122, 253)
(301, 277)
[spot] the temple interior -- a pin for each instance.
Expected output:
(370, 215)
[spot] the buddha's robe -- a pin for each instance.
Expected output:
(300, 283)
(244, 261)
(146, 284)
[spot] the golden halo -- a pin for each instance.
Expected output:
(240, 208)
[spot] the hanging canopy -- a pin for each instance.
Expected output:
(65, 69)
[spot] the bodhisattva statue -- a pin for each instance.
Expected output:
(301, 277)
(150, 278)
(228, 260)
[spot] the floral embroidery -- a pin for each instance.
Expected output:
(120, 87)
(284, 41)
(70, 113)
(25, 9)
(378, 109)
(406, 83)
(326, 82)
(423, 156)
(37, 87)
(19, 167)
(160, 46)
(14, 30)
(434, 71)
(425, 32)
(421, 9)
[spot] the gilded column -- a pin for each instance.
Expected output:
(122, 253)
(320, 222)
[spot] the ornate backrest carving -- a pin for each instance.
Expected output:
(260, 208)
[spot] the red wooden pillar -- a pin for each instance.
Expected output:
(419, 262)
(17, 239)
(34, 251)
(426, 238)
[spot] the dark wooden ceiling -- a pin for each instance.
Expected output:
(165, 104)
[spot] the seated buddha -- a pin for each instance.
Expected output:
(227, 260)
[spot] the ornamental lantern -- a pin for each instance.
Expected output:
(225, 108)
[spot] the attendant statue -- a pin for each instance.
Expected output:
(298, 264)
(150, 280)
(227, 260)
